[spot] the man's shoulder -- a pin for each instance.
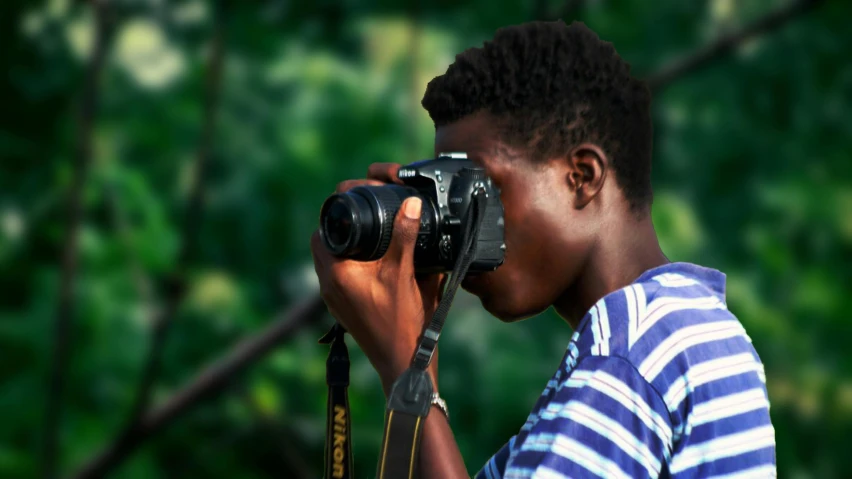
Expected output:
(667, 322)
(658, 374)
(672, 325)
(632, 321)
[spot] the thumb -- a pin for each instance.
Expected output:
(405, 229)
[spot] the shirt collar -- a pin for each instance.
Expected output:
(713, 279)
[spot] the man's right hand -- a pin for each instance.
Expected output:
(431, 286)
(440, 455)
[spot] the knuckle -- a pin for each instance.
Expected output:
(373, 170)
(383, 171)
(410, 234)
(337, 279)
(406, 232)
(385, 273)
(347, 185)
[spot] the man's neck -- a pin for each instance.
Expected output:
(619, 256)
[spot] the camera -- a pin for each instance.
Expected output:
(358, 224)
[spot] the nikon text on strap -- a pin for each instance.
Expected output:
(338, 437)
(410, 398)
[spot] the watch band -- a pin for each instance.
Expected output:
(441, 404)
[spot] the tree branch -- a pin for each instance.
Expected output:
(65, 308)
(140, 281)
(192, 222)
(686, 65)
(209, 382)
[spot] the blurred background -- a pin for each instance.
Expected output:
(163, 166)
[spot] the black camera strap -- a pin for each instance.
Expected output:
(338, 437)
(410, 398)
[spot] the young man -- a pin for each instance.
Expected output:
(659, 378)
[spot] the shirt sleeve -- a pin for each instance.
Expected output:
(496, 466)
(604, 420)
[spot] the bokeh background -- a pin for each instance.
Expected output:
(163, 165)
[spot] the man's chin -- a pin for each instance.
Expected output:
(474, 284)
(495, 304)
(478, 286)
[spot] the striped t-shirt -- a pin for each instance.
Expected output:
(659, 380)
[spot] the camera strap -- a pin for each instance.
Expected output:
(410, 398)
(338, 437)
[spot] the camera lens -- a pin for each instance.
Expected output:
(358, 224)
(338, 224)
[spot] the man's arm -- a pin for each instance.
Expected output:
(440, 457)
(439, 454)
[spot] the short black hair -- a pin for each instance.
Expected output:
(552, 86)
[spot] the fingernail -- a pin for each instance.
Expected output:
(412, 208)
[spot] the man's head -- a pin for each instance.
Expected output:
(553, 115)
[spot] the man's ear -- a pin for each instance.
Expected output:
(587, 170)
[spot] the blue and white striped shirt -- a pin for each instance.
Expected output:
(659, 380)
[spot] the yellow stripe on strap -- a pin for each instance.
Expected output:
(414, 448)
(385, 449)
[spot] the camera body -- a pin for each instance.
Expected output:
(358, 224)
(449, 182)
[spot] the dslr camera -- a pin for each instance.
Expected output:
(358, 224)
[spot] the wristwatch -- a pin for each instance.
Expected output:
(441, 404)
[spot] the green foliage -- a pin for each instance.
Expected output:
(752, 176)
